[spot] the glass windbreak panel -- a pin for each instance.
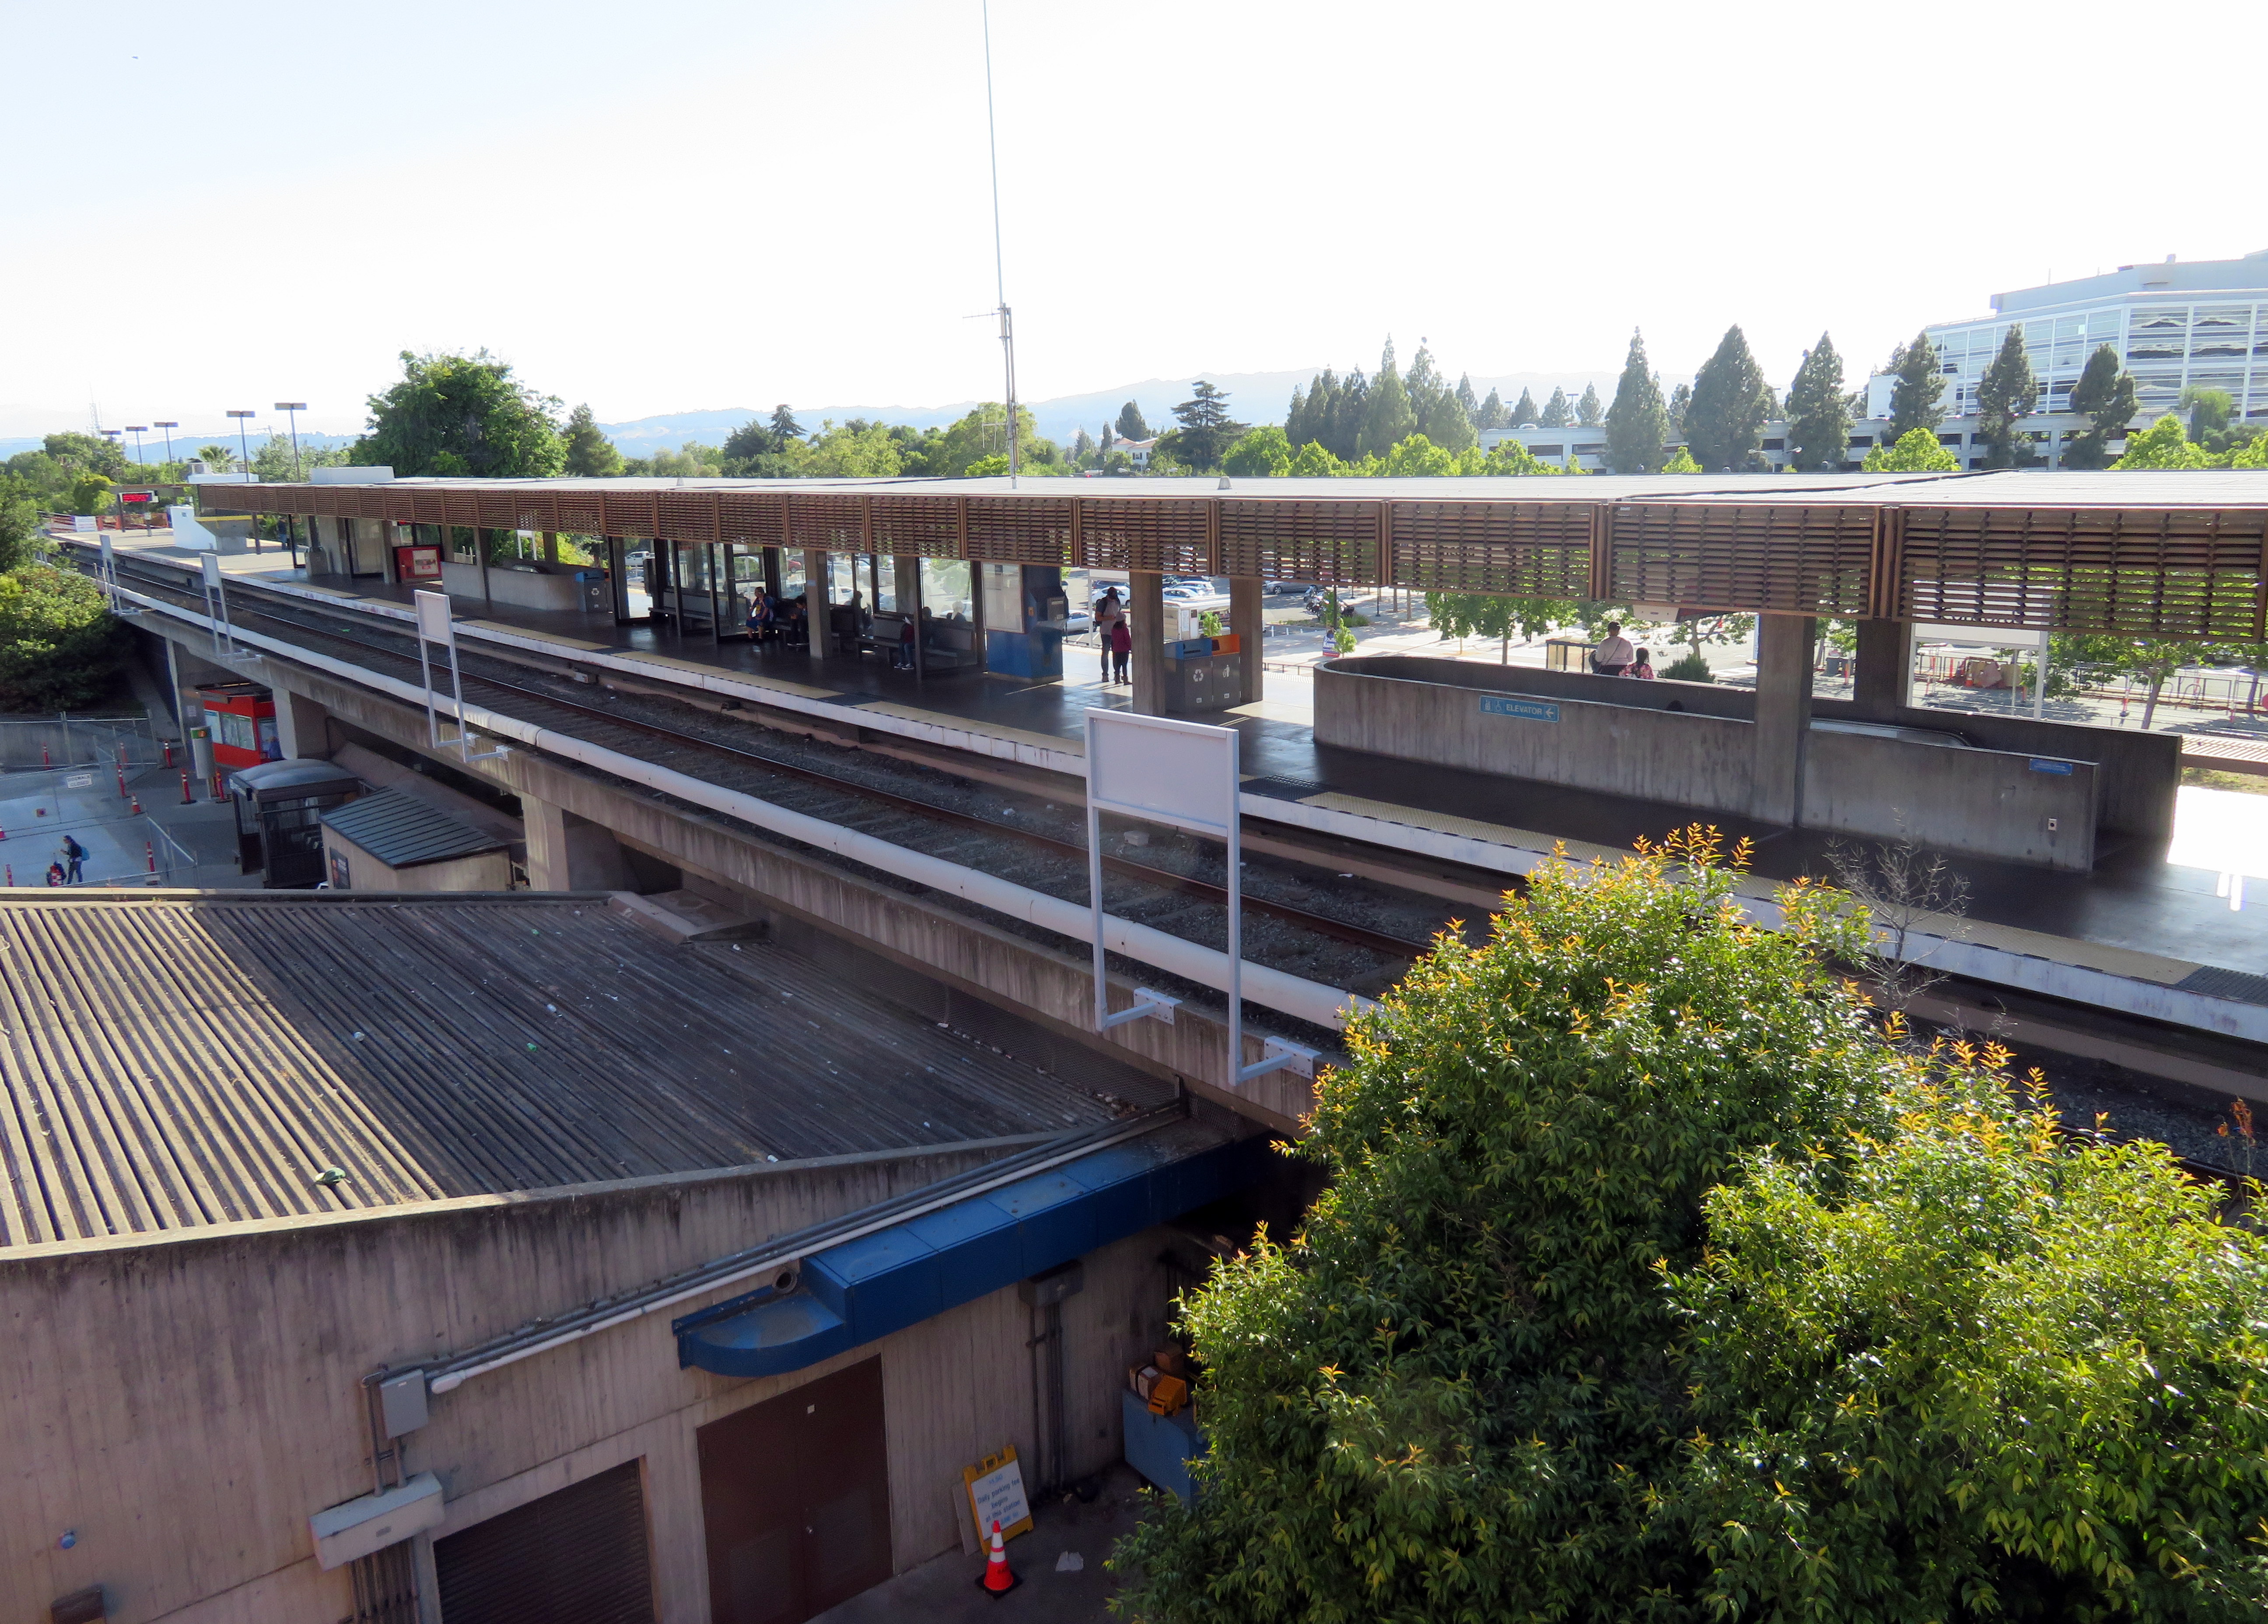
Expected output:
(1003, 597)
(945, 589)
(882, 582)
(747, 566)
(790, 573)
(841, 567)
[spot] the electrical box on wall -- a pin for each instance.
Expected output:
(345, 1532)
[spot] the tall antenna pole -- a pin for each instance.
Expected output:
(999, 264)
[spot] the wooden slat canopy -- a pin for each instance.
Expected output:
(2056, 554)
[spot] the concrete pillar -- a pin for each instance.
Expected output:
(302, 726)
(1882, 683)
(1245, 620)
(568, 853)
(1145, 618)
(550, 546)
(815, 600)
(1783, 730)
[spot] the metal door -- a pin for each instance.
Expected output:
(795, 1495)
(578, 1556)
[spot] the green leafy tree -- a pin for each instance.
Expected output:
(1455, 1393)
(1131, 425)
(1261, 453)
(2165, 443)
(2007, 391)
(1724, 421)
(90, 493)
(216, 457)
(20, 535)
(1558, 411)
(1917, 399)
(1683, 463)
(60, 646)
(273, 462)
(1916, 452)
(1818, 419)
(86, 453)
(1314, 461)
(1528, 412)
(2252, 455)
(1418, 458)
(1387, 417)
(1638, 422)
(589, 454)
(1590, 411)
(1975, 1369)
(783, 426)
(462, 414)
(2213, 422)
(2105, 395)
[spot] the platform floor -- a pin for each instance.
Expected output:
(2136, 902)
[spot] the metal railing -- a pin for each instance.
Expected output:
(47, 743)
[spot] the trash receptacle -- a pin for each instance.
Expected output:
(1200, 676)
(591, 588)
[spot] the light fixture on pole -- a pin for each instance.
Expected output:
(243, 444)
(999, 265)
(138, 429)
(169, 427)
(294, 408)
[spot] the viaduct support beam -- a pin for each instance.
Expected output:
(1245, 620)
(568, 853)
(1883, 682)
(302, 726)
(1145, 619)
(1782, 728)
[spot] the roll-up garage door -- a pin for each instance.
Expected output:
(578, 1556)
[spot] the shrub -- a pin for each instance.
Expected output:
(59, 645)
(1689, 667)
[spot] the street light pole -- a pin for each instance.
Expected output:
(169, 427)
(138, 429)
(245, 445)
(294, 408)
(999, 263)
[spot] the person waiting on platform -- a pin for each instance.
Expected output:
(795, 629)
(761, 626)
(1108, 610)
(904, 658)
(1642, 667)
(1121, 649)
(1613, 657)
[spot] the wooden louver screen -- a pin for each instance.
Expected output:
(1006, 530)
(2147, 573)
(1701, 555)
(1330, 543)
(914, 527)
(1526, 549)
(1162, 537)
(827, 524)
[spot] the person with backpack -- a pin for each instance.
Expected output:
(74, 854)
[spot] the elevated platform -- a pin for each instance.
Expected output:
(2139, 933)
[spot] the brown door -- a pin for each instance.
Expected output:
(795, 1494)
(575, 1557)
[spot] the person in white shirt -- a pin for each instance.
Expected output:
(1615, 655)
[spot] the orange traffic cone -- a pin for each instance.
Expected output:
(999, 1578)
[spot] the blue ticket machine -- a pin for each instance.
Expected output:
(1025, 611)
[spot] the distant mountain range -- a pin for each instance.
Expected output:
(1254, 398)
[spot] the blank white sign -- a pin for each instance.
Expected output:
(1178, 773)
(432, 615)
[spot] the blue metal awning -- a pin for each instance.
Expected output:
(862, 1289)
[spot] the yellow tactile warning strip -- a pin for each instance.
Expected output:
(1471, 829)
(2092, 955)
(539, 637)
(780, 685)
(983, 729)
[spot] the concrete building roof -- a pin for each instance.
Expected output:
(402, 830)
(174, 1060)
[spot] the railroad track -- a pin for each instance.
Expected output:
(595, 719)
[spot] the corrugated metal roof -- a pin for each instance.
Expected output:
(171, 1062)
(402, 831)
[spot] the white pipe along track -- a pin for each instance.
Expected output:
(1290, 995)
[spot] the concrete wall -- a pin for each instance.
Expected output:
(1978, 802)
(184, 1405)
(524, 583)
(487, 870)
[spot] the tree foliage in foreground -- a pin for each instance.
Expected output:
(1453, 1395)
(1917, 451)
(465, 416)
(1653, 1283)
(59, 644)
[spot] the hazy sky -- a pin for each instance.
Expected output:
(669, 207)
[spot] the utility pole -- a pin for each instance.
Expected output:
(999, 270)
(294, 408)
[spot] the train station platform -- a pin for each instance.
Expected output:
(2151, 931)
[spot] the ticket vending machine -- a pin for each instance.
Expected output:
(1025, 614)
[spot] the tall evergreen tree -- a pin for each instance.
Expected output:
(1917, 400)
(590, 454)
(1447, 425)
(2105, 393)
(1590, 409)
(1680, 400)
(1387, 418)
(2007, 390)
(1422, 381)
(1493, 415)
(1207, 430)
(784, 426)
(1723, 422)
(1527, 411)
(1638, 422)
(1818, 420)
(1348, 406)
(1130, 424)
(1295, 419)
(1466, 397)
(1558, 411)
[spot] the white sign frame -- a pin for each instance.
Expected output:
(216, 591)
(1184, 775)
(434, 626)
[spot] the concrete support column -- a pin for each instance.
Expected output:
(815, 600)
(550, 546)
(1145, 619)
(1245, 620)
(302, 726)
(568, 853)
(1782, 728)
(1882, 683)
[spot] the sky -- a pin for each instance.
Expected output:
(700, 205)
